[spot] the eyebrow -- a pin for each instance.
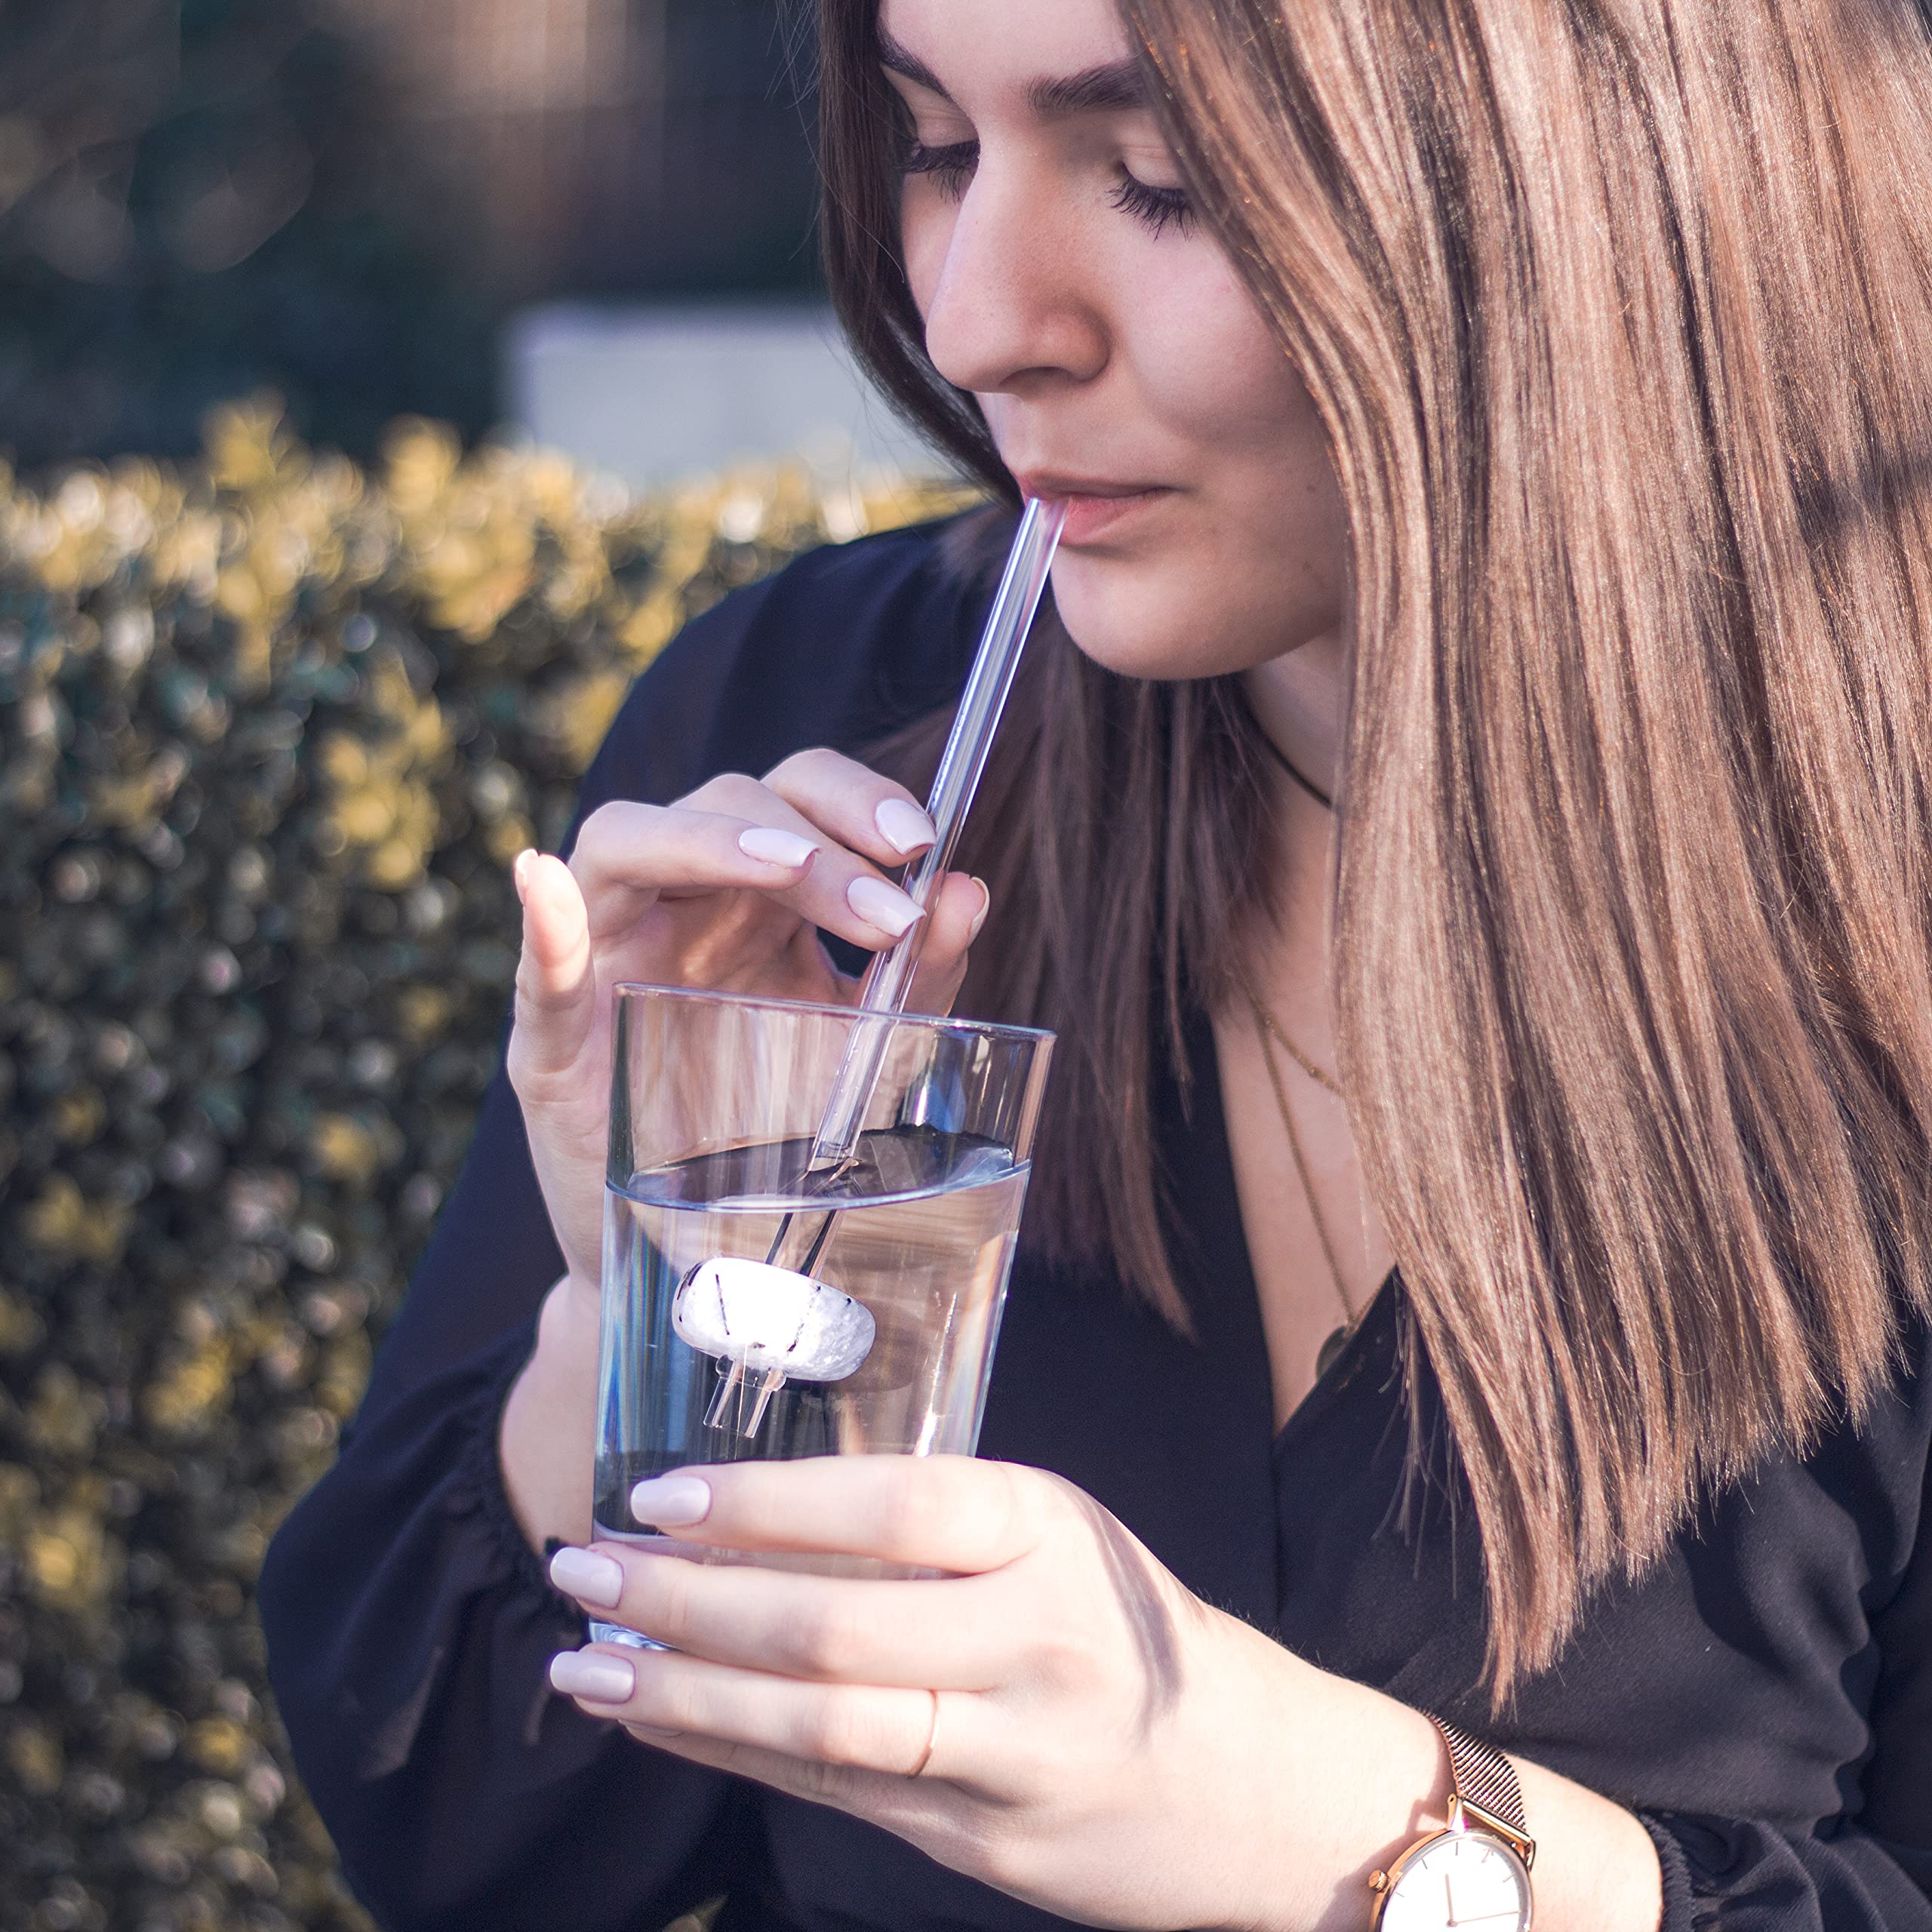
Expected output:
(1115, 85)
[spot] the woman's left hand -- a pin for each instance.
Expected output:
(1102, 1744)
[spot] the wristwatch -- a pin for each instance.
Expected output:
(1476, 1871)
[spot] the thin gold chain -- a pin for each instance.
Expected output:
(1266, 1031)
(1265, 1019)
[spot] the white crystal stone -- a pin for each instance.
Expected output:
(767, 1318)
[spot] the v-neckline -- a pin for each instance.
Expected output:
(1206, 1123)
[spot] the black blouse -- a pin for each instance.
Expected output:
(1762, 1697)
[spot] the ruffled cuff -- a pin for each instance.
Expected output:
(401, 1594)
(1747, 1874)
(484, 1490)
(1679, 1900)
(411, 1628)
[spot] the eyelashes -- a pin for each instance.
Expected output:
(1156, 208)
(951, 167)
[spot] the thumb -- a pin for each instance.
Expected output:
(556, 987)
(958, 911)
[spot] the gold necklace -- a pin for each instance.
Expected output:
(1265, 1019)
(1267, 1032)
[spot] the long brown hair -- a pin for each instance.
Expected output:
(1619, 314)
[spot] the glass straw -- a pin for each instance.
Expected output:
(889, 980)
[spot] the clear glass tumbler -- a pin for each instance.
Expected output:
(757, 1304)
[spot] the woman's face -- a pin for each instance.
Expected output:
(1120, 362)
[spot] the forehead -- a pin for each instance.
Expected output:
(1002, 47)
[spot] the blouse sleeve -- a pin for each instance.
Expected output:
(1744, 1874)
(410, 1625)
(1871, 1871)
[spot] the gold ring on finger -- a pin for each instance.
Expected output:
(932, 1738)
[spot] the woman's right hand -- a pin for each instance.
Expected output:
(727, 889)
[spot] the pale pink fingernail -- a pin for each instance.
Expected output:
(775, 847)
(586, 1674)
(589, 1577)
(520, 872)
(673, 1500)
(979, 917)
(904, 827)
(883, 906)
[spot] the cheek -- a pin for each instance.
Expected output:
(1252, 559)
(1212, 372)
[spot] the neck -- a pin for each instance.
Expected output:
(1297, 699)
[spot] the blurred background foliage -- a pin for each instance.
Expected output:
(345, 199)
(271, 728)
(197, 199)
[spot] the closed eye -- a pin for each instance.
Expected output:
(952, 165)
(1157, 208)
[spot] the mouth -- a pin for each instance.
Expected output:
(1094, 504)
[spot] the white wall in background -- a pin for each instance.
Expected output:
(653, 393)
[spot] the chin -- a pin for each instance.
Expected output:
(1142, 622)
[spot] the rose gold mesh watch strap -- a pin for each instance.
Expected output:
(1482, 1775)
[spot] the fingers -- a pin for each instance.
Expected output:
(556, 992)
(949, 1633)
(817, 835)
(732, 833)
(867, 812)
(626, 857)
(953, 1513)
(867, 1795)
(629, 855)
(854, 1727)
(957, 911)
(844, 893)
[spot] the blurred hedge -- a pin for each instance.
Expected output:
(271, 729)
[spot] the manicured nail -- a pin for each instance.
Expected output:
(584, 1674)
(676, 1500)
(775, 847)
(979, 917)
(883, 906)
(906, 828)
(589, 1577)
(520, 872)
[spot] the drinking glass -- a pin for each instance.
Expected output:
(759, 1304)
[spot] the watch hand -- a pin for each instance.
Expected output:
(1449, 1900)
(1514, 1911)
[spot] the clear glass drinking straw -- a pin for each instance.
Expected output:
(989, 683)
(889, 980)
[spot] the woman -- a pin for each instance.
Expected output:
(1475, 821)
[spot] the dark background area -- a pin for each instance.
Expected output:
(342, 201)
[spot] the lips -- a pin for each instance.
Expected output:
(1094, 504)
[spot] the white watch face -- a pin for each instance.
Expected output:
(1462, 1878)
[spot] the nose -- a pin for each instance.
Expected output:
(1014, 310)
